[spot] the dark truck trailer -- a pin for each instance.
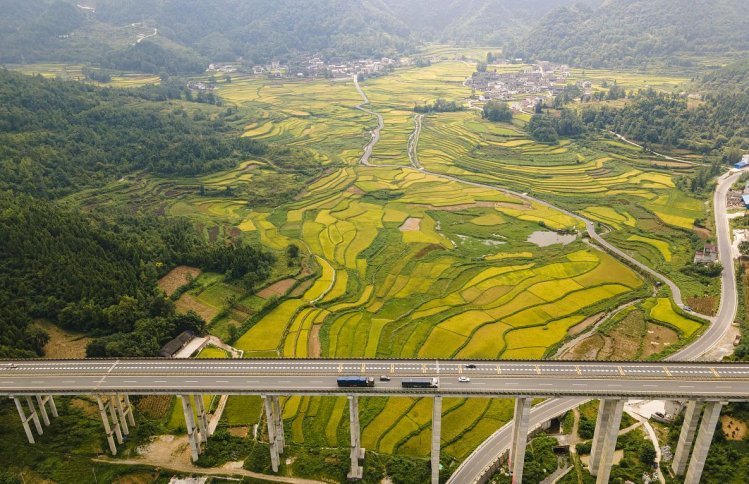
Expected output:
(421, 383)
(356, 381)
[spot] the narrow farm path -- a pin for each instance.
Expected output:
(207, 471)
(659, 155)
(376, 132)
(332, 282)
(481, 460)
(589, 225)
(413, 142)
(473, 467)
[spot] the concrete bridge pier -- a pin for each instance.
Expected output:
(108, 430)
(613, 410)
(357, 453)
(272, 427)
(521, 420)
(280, 436)
(32, 417)
(704, 439)
(202, 418)
(686, 437)
(192, 431)
(436, 438)
(124, 412)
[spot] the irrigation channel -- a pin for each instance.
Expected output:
(476, 464)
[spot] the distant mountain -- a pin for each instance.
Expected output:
(485, 22)
(639, 32)
(261, 30)
(143, 34)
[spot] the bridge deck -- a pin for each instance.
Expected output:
(723, 381)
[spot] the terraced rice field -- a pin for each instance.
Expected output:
(605, 181)
(411, 264)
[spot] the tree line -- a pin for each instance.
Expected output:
(57, 137)
(96, 273)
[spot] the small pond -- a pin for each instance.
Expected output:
(545, 238)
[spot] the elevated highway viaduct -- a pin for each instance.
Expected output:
(33, 384)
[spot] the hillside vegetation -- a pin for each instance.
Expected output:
(638, 32)
(175, 36)
(56, 137)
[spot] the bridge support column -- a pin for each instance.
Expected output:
(704, 439)
(521, 423)
(41, 403)
(271, 418)
(357, 453)
(115, 420)
(612, 420)
(24, 420)
(202, 418)
(436, 438)
(129, 409)
(34, 416)
(280, 436)
(686, 437)
(192, 432)
(605, 410)
(53, 406)
(120, 413)
(107, 428)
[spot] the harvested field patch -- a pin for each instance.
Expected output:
(188, 303)
(412, 224)
(178, 277)
(241, 432)
(704, 305)
(585, 324)
(587, 349)
(63, 344)
(733, 428)
(277, 289)
(154, 406)
(313, 344)
(302, 288)
(657, 339)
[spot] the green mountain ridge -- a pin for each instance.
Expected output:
(638, 32)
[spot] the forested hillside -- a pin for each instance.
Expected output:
(638, 32)
(714, 123)
(177, 36)
(718, 123)
(97, 273)
(484, 22)
(57, 137)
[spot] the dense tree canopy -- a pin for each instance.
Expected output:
(497, 111)
(721, 120)
(97, 272)
(638, 32)
(56, 137)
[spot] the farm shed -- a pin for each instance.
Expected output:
(173, 346)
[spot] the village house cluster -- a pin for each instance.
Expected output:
(541, 79)
(312, 67)
(318, 67)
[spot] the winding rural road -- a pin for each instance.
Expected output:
(475, 466)
(490, 450)
(660, 155)
(376, 133)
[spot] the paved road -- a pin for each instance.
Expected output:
(499, 442)
(319, 377)
(376, 133)
(589, 225)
